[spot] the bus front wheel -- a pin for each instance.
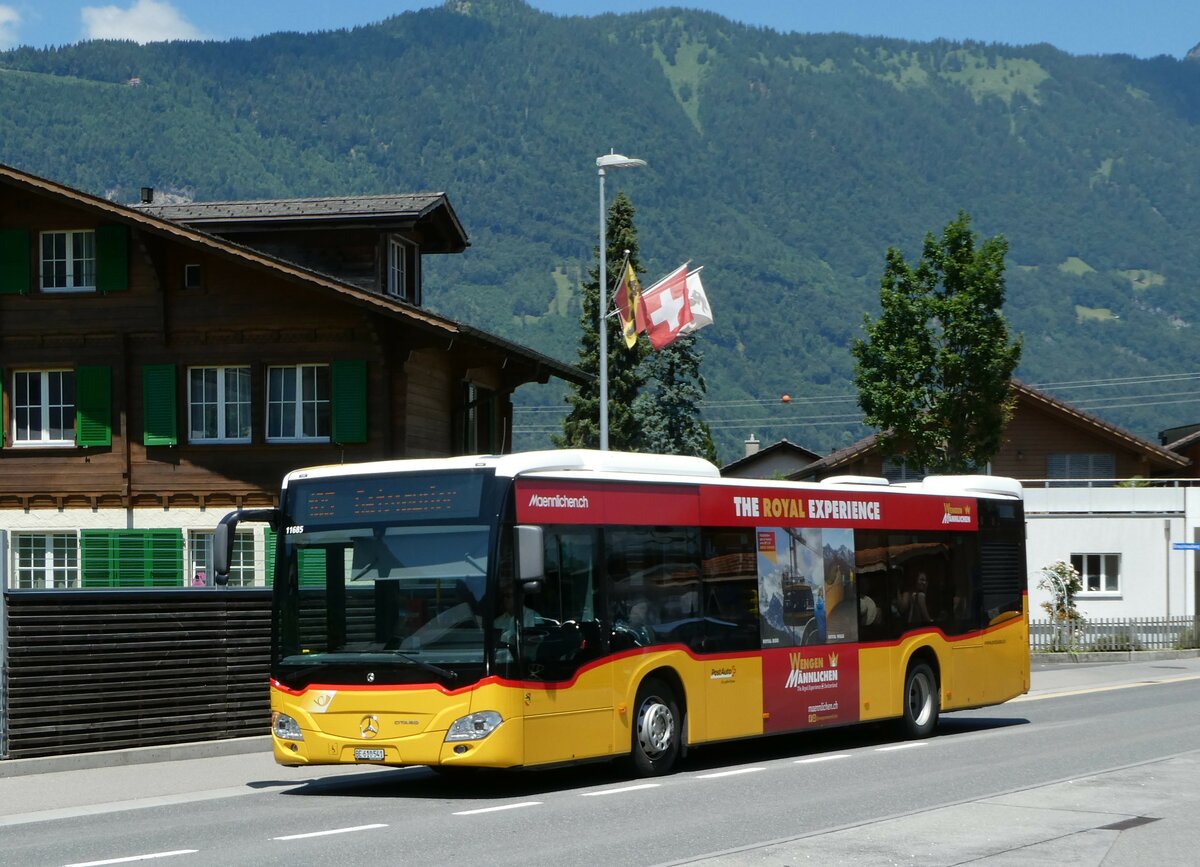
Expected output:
(921, 702)
(656, 729)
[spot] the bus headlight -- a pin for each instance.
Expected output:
(474, 727)
(285, 728)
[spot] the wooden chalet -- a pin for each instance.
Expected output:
(1047, 442)
(188, 355)
(163, 364)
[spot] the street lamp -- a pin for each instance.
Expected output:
(608, 161)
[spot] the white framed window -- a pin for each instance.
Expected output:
(200, 559)
(68, 261)
(401, 279)
(43, 407)
(46, 560)
(219, 404)
(298, 403)
(397, 268)
(1079, 466)
(1100, 573)
(896, 471)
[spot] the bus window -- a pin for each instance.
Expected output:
(963, 615)
(919, 570)
(565, 631)
(654, 578)
(729, 589)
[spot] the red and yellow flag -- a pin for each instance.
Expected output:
(628, 300)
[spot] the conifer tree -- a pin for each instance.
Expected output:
(669, 410)
(934, 372)
(581, 426)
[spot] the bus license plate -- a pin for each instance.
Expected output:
(368, 755)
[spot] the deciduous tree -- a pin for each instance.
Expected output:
(934, 371)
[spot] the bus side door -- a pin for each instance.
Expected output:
(568, 702)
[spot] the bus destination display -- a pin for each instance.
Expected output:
(415, 497)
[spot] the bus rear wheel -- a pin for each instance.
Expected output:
(921, 702)
(656, 729)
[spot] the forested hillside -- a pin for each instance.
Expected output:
(786, 164)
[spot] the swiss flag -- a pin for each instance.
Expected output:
(665, 308)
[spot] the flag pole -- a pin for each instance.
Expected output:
(613, 297)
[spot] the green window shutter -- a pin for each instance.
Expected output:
(312, 563)
(93, 410)
(163, 558)
(97, 557)
(112, 258)
(131, 558)
(349, 401)
(312, 567)
(269, 551)
(158, 405)
(14, 261)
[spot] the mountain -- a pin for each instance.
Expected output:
(786, 164)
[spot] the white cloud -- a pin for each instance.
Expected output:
(144, 21)
(10, 19)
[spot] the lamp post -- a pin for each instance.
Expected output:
(608, 161)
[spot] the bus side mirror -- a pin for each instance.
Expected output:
(224, 534)
(222, 552)
(531, 566)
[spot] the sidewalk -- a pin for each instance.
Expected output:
(1077, 822)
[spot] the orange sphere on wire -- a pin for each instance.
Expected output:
(787, 398)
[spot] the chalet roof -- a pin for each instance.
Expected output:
(781, 448)
(1184, 442)
(1132, 441)
(1031, 396)
(396, 210)
(543, 365)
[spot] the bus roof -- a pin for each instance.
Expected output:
(579, 463)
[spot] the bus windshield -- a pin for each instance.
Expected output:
(382, 596)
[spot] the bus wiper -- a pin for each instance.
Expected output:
(427, 666)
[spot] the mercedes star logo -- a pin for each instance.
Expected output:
(369, 726)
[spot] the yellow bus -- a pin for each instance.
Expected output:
(549, 607)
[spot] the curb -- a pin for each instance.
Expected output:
(135, 756)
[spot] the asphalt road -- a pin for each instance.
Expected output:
(1097, 765)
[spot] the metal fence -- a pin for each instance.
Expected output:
(88, 670)
(1116, 633)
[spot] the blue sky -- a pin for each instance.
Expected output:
(1144, 28)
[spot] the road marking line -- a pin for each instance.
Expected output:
(619, 791)
(813, 761)
(135, 858)
(1108, 688)
(498, 809)
(895, 747)
(327, 833)
(728, 773)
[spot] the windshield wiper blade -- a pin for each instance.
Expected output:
(427, 666)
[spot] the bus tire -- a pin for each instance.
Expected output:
(657, 729)
(922, 702)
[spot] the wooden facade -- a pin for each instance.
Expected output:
(162, 365)
(192, 299)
